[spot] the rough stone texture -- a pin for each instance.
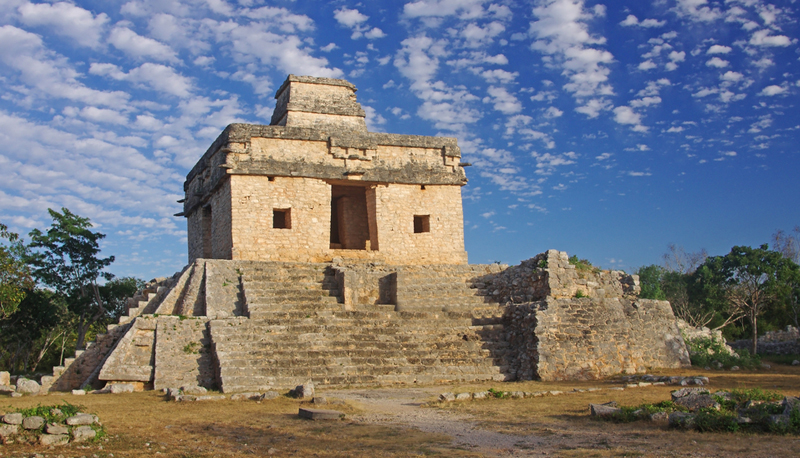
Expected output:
(695, 402)
(304, 391)
(53, 439)
(33, 422)
(5, 378)
(8, 430)
(83, 434)
(183, 353)
(603, 410)
(120, 388)
(318, 414)
(26, 386)
(567, 338)
(53, 428)
(194, 389)
(12, 418)
(81, 419)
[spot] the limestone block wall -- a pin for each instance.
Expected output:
(442, 243)
(581, 339)
(183, 353)
(309, 210)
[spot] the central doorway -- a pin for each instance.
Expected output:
(350, 218)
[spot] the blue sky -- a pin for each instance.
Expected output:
(605, 129)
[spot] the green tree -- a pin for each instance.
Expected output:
(746, 282)
(116, 292)
(28, 333)
(66, 259)
(15, 278)
(650, 280)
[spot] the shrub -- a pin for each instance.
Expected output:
(708, 351)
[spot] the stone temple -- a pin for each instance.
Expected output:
(321, 251)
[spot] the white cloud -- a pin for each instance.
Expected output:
(498, 76)
(647, 65)
(66, 19)
(593, 107)
(772, 90)
(349, 18)
(503, 101)
(717, 62)
(139, 47)
(155, 76)
(719, 49)
(645, 102)
(553, 112)
(547, 163)
(764, 62)
(46, 72)
(697, 10)
(763, 38)
(560, 32)
(675, 129)
(465, 9)
(731, 76)
(639, 174)
(632, 20)
(626, 115)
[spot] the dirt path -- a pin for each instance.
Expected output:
(402, 408)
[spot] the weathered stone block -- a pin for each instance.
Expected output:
(33, 422)
(83, 433)
(13, 418)
(26, 386)
(318, 414)
(54, 428)
(53, 439)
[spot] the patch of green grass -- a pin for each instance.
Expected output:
(67, 410)
(706, 351)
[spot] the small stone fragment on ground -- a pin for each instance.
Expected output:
(604, 410)
(318, 414)
(464, 397)
(194, 390)
(120, 388)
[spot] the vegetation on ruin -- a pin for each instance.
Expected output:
(55, 293)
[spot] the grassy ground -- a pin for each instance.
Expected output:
(144, 424)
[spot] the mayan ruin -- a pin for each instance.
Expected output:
(321, 251)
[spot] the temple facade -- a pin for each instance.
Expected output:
(315, 185)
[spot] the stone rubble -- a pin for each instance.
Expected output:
(77, 428)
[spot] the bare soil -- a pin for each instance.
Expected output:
(407, 421)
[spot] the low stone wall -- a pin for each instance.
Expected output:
(784, 342)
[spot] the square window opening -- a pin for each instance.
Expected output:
(282, 218)
(422, 223)
(270, 178)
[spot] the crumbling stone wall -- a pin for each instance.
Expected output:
(566, 324)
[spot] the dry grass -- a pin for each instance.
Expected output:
(573, 433)
(144, 424)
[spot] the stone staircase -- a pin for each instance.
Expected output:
(298, 330)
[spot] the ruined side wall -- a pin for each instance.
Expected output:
(396, 206)
(565, 322)
(579, 339)
(183, 353)
(253, 200)
(194, 227)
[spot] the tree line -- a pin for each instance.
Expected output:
(743, 293)
(55, 292)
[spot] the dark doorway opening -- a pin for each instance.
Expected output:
(350, 228)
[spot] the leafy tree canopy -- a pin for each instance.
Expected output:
(14, 275)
